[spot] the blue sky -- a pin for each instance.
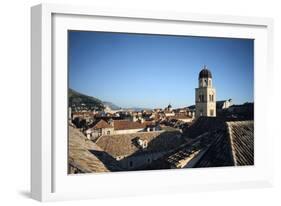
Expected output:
(135, 70)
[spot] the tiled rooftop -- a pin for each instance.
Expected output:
(101, 124)
(123, 145)
(82, 154)
(204, 124)
(126, 124)
(242, 141)
(231, 144)
(209, 142)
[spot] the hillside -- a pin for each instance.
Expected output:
(77, 99)
(111, 105)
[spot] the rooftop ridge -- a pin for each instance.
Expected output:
(229, 131)
(240, 121)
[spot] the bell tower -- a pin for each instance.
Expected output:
(205, 95)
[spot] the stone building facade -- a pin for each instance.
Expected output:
(205, 95)
(98, 129)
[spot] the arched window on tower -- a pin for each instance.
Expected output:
(211, 97)
(201, 98)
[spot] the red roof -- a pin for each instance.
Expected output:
(180, 116)
(102, 124)
(125, 124)
(148, 123)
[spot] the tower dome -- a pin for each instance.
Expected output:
(205, 73)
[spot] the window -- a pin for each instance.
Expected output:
(201, 98)
(212, 112)
(211, 97)
(131, 163)
(108, 132)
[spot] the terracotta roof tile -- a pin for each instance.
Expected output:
(82, 154)
(204, 124)
(180, 116)
(126, 124)
(242, 141)
(101, 124)
(123, 145)
(230, 145)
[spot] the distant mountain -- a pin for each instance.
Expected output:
(137, 109)
(77, 99)
(111, 105)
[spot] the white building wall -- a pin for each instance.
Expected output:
(128, 131)
(227, 104)
(105, 131)
(186, 120)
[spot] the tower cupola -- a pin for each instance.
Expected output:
(205, 73)
(205, 77)
(205, 95)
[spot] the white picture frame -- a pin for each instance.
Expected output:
(49, 179)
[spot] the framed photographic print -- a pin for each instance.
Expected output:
(137, 102)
